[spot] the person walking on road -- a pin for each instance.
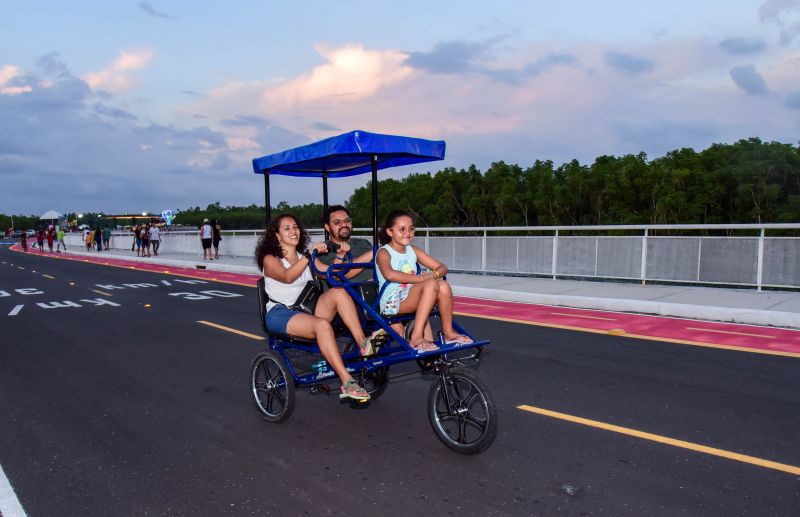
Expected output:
(23, 240)
(205, 239)
(61, 242)
(216, 230)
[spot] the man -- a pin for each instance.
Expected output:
(339, 225)
(61, 242)
(106, 237)
(155, 239)
(205, 238)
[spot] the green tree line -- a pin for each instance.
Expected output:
(749, 181)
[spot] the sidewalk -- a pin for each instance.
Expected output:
(747, 306)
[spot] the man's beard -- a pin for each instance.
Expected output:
(343, 234)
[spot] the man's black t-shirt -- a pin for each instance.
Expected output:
(357, 247)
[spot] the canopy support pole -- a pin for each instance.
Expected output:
(325, 198)
(374, 201)
(267, 206)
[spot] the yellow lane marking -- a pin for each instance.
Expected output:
(791, 469)
(101, 292)
(580, 316)
(228, 329)
(48, 276)
(634, 336)
(730, 332)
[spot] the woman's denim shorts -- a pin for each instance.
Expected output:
(278, 317)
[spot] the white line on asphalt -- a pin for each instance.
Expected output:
(16, 310)
(9, 504)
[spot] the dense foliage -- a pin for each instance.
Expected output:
(749, 181)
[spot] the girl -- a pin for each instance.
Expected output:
(409, 292)
(286, 273)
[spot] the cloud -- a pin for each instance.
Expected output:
(149, 9)
(784, 14)
(8, 73)
(477, 57)
(115, 78)
(324, 126)
(102, 109)
(742, 46)
(749, 80)
(628, 63)
(351, 73)
(60, 135)
(792, 100)
(451, 57)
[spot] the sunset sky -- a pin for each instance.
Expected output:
(133, 106)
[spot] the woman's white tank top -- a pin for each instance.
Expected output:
(281, 292)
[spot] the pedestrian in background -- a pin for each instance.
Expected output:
(98, 238)
(40, 239)
(23, 240)
(155, 239)
(205, 239)
(61, 242)
(145, 241)
(50, 237)
(106, 237)
(216, 230)
(88, 236)
(135, 231)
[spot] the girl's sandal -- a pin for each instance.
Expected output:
(352, 390)
(424, 345)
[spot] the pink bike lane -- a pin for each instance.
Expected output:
(766, 340)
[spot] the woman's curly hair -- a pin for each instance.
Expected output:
(268, 243)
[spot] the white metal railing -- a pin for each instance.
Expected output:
(643, 255)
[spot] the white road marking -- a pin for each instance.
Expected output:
(14, 312)
(9, 504)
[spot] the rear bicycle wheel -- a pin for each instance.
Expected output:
(464, 417)
(272, 387)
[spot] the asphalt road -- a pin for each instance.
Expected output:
(116, 401)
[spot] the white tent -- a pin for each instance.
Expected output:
(51, 214)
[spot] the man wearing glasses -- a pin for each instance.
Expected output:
(339, 225)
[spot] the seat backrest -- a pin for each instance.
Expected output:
(262, 302)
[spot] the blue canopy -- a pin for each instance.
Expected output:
(350, 154)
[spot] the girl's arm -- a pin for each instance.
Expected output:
(437, 269)
(275, 269)
(392, 275)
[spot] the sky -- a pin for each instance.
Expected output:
(131, 106)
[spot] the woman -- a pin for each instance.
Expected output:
(409, 292)
(216, 236)
(286, 272)
(145, 237)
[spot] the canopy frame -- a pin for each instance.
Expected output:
(349, 154)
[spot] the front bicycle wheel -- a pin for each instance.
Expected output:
(462, 412)
(272, 387)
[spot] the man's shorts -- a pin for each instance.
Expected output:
(206, 244)
(278, 317)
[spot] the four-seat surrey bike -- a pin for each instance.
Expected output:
(460, 408)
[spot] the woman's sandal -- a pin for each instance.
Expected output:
(352, 390)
